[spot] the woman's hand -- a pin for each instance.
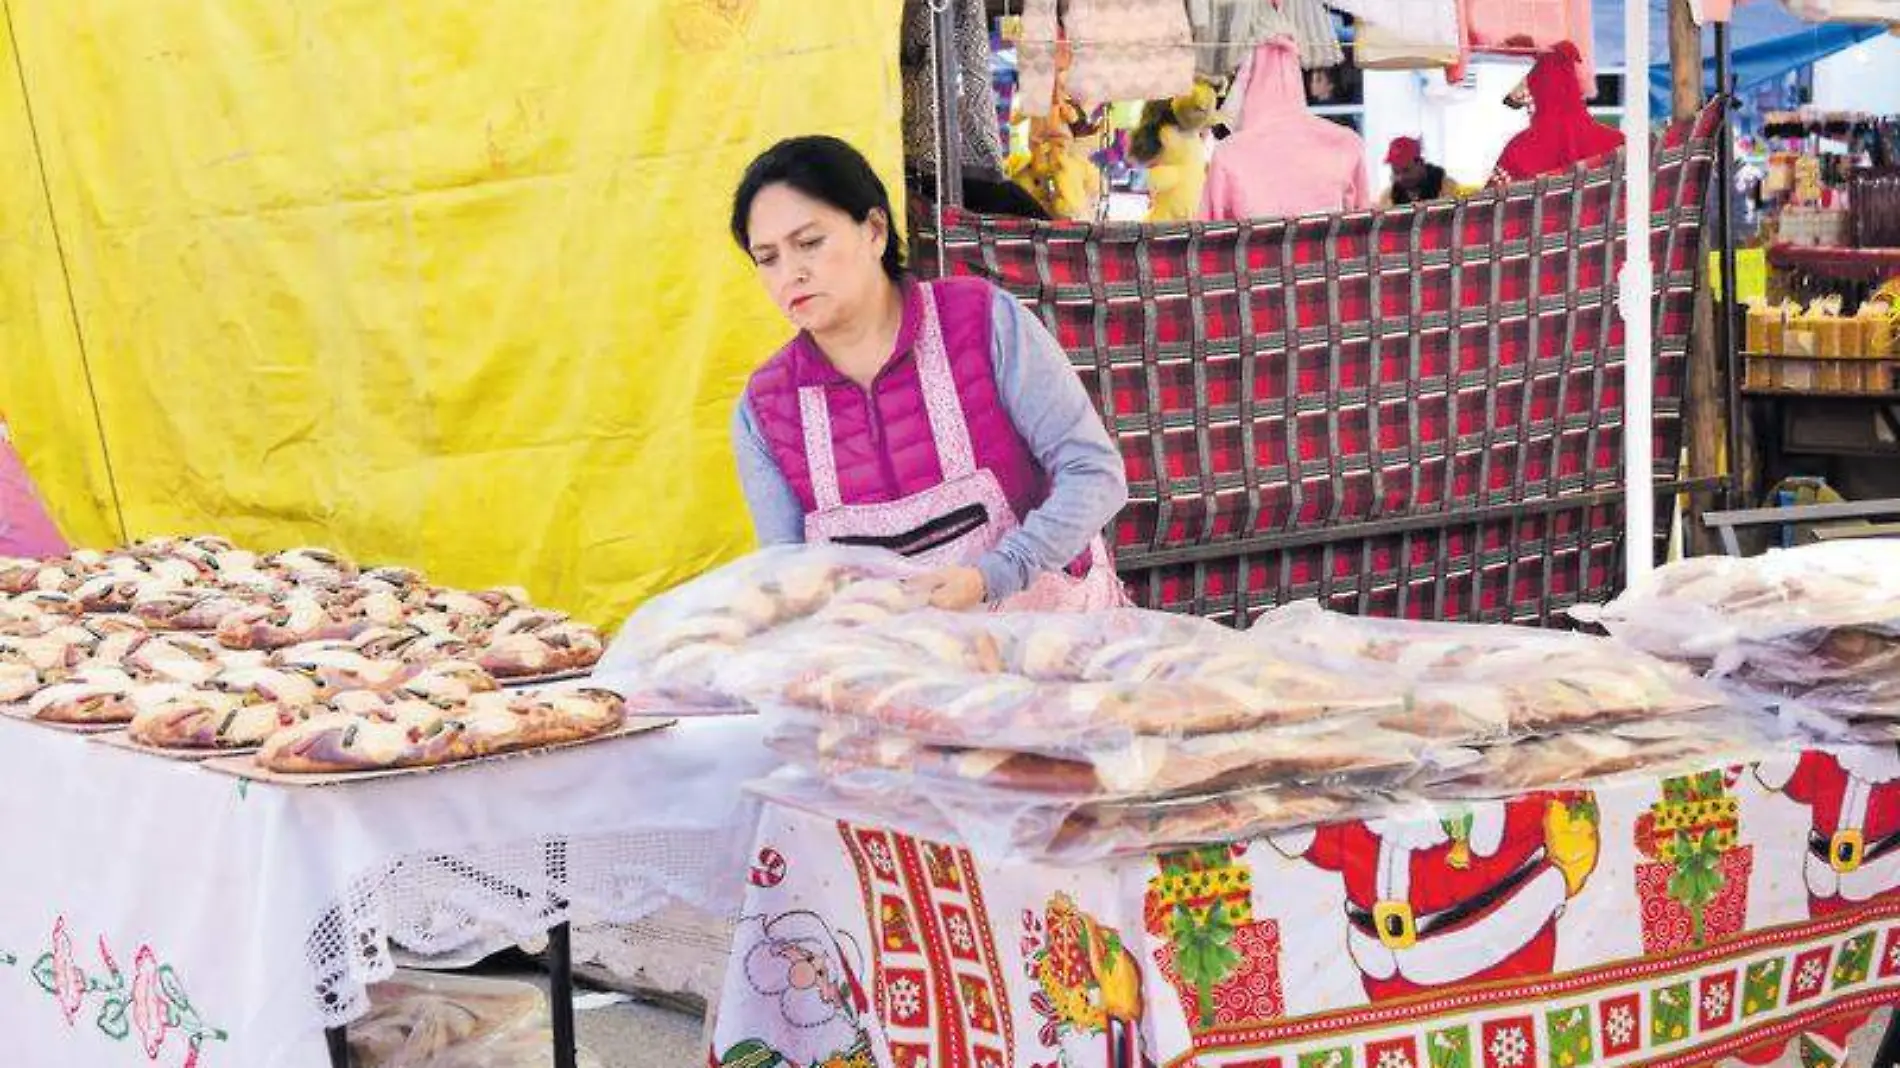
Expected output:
(954, 589)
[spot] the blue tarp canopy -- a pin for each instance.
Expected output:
(1765, 41)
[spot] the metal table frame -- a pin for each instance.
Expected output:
(560, 973)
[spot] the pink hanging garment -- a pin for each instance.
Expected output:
(1036, 59)
(25, 528)
(1129, 49)
(1529, 27)
(1283, 160)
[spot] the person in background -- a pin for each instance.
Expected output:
(939, 420)
(1561, 133)
(25, 528)
(1413, 179)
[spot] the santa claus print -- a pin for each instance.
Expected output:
(1853, 854)
(1853, 799)
(1473, 897)
(812, 973)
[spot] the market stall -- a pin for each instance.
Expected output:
(238, 786)
(1822, 367)
(1134, 839)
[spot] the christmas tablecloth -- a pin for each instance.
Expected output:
(1647, 921)
(158, 913)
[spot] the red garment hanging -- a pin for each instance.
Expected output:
(1561, 131)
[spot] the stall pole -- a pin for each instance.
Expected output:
(1703, 416)
(1636, 291)
(561, 994)
(338, 1040)
(949, 87)
(1725, 231)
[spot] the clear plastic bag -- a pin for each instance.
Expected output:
(681, 638)
(1819, 624)
(1069, 737)
(1002, 829)
(1110, 689)
(431, 1020)
(1327, 752)
(1700, 608)
(1132, 828)
(1478, 683)
(1660, 747)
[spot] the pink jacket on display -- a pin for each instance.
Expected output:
(1530, 27)
(25, 528)
(1284, 160)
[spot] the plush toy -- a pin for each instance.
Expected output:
(1058, 171)
(1168, 143)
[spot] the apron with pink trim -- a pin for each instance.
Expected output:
(954, 522)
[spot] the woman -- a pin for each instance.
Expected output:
(939, 420)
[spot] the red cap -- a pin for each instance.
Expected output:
(1403, 152)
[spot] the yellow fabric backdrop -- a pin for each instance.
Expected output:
(435, 283)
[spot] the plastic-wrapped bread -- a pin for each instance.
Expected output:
(1098, 831)
(1659, 747)
(1818, 624)
(1143, 767)
(1471, 682)
(683, 637)
(1031, 703)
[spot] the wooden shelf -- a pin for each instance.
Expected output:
(1890, 358)
(1890, 396)
(1861, 264)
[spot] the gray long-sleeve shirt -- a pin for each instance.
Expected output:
(1049, 408)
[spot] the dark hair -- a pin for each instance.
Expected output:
(825, 169)
(1144, 145)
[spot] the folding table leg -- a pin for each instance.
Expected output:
(338, 1039)
(561, 994)
(1888, 1056)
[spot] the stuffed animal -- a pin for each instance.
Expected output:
(1058, 171)
(1168, 142)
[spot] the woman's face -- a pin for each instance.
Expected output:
(820, 266)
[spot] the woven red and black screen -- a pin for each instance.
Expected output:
(1413, 412)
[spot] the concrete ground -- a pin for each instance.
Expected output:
(632, 1035)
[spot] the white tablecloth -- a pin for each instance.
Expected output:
(147, 906)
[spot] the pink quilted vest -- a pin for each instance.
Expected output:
(881, 439)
